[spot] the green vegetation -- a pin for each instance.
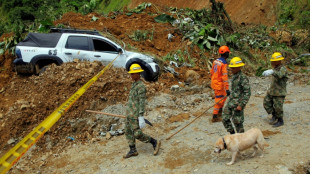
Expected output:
(294, 13)
(21, 12)
(142, 35)
(107, 6)
(180, 56)
(206, 29)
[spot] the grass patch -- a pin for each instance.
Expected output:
(107, 6)
(294, 13)
(141, 35)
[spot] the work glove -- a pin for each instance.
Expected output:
(141, 122)
(227, 92)
(268, 72)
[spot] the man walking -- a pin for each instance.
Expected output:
(240, 95)
(134, 112)
(273, 101)
(219, 82)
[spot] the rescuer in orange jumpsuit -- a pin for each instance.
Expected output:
(219, 82)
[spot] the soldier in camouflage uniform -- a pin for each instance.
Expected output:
(134, 112)
(273, 101)
(239, 97)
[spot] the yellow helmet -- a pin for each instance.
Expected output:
(276, 57)
(135, 68)
(236, 62)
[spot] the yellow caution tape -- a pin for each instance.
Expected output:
(11, 157)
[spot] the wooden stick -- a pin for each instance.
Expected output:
(195, 118)
(114, 115)
(233, 125)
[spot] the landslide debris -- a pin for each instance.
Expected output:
(28, 100)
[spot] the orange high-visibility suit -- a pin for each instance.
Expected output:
(219, 82)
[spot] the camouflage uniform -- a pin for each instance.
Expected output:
(135, 108)
(240, 95)
(273, 101)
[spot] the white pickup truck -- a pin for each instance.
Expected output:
(64, 45)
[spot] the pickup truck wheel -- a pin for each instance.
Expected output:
(147, 74)
(39, 70)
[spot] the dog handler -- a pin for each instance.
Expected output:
(134, 112)
(219, 82)
(273, 101)
(240, 95)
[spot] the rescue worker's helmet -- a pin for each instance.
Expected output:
(135, 68)
(224, 49)
(236, 62)
(276, 57)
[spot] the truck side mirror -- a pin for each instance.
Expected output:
(119, 50)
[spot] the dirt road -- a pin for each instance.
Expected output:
(190, 151)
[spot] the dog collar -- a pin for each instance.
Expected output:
(225, 146)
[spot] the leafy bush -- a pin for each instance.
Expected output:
(140, 35)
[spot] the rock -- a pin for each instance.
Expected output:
(24, 106)
(11, 141)
(170, 37)
(113, 127)
(191, 76)
(120, 131)
(1, 116)
(94, 140)
(260, 92)
(283, 170)
(113, 133)
(102, 133)
(78, 66)
(174, 87)
(256, 82)
(108, 136)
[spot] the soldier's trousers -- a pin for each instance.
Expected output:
(274, 105)
(237, 118)
(133, 132)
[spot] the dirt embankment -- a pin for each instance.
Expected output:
(6, 60)
(28, 100)
(240, 11)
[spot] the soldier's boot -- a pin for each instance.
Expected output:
(272, 120)
(232, 132)
(156, 145)
(279, 123)
(215, 118)
(132, 152)
(220, 113)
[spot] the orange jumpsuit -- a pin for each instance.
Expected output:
(219, 82)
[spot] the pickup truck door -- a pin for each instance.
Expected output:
(77, 47)
(105, 51)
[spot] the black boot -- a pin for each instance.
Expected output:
(232, 132)
(279, 123)
(220, 112)
(272, 120)
(156, 145)
(132, 152)
(215, 118)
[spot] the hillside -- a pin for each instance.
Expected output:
(78, 142)
(242, 11)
